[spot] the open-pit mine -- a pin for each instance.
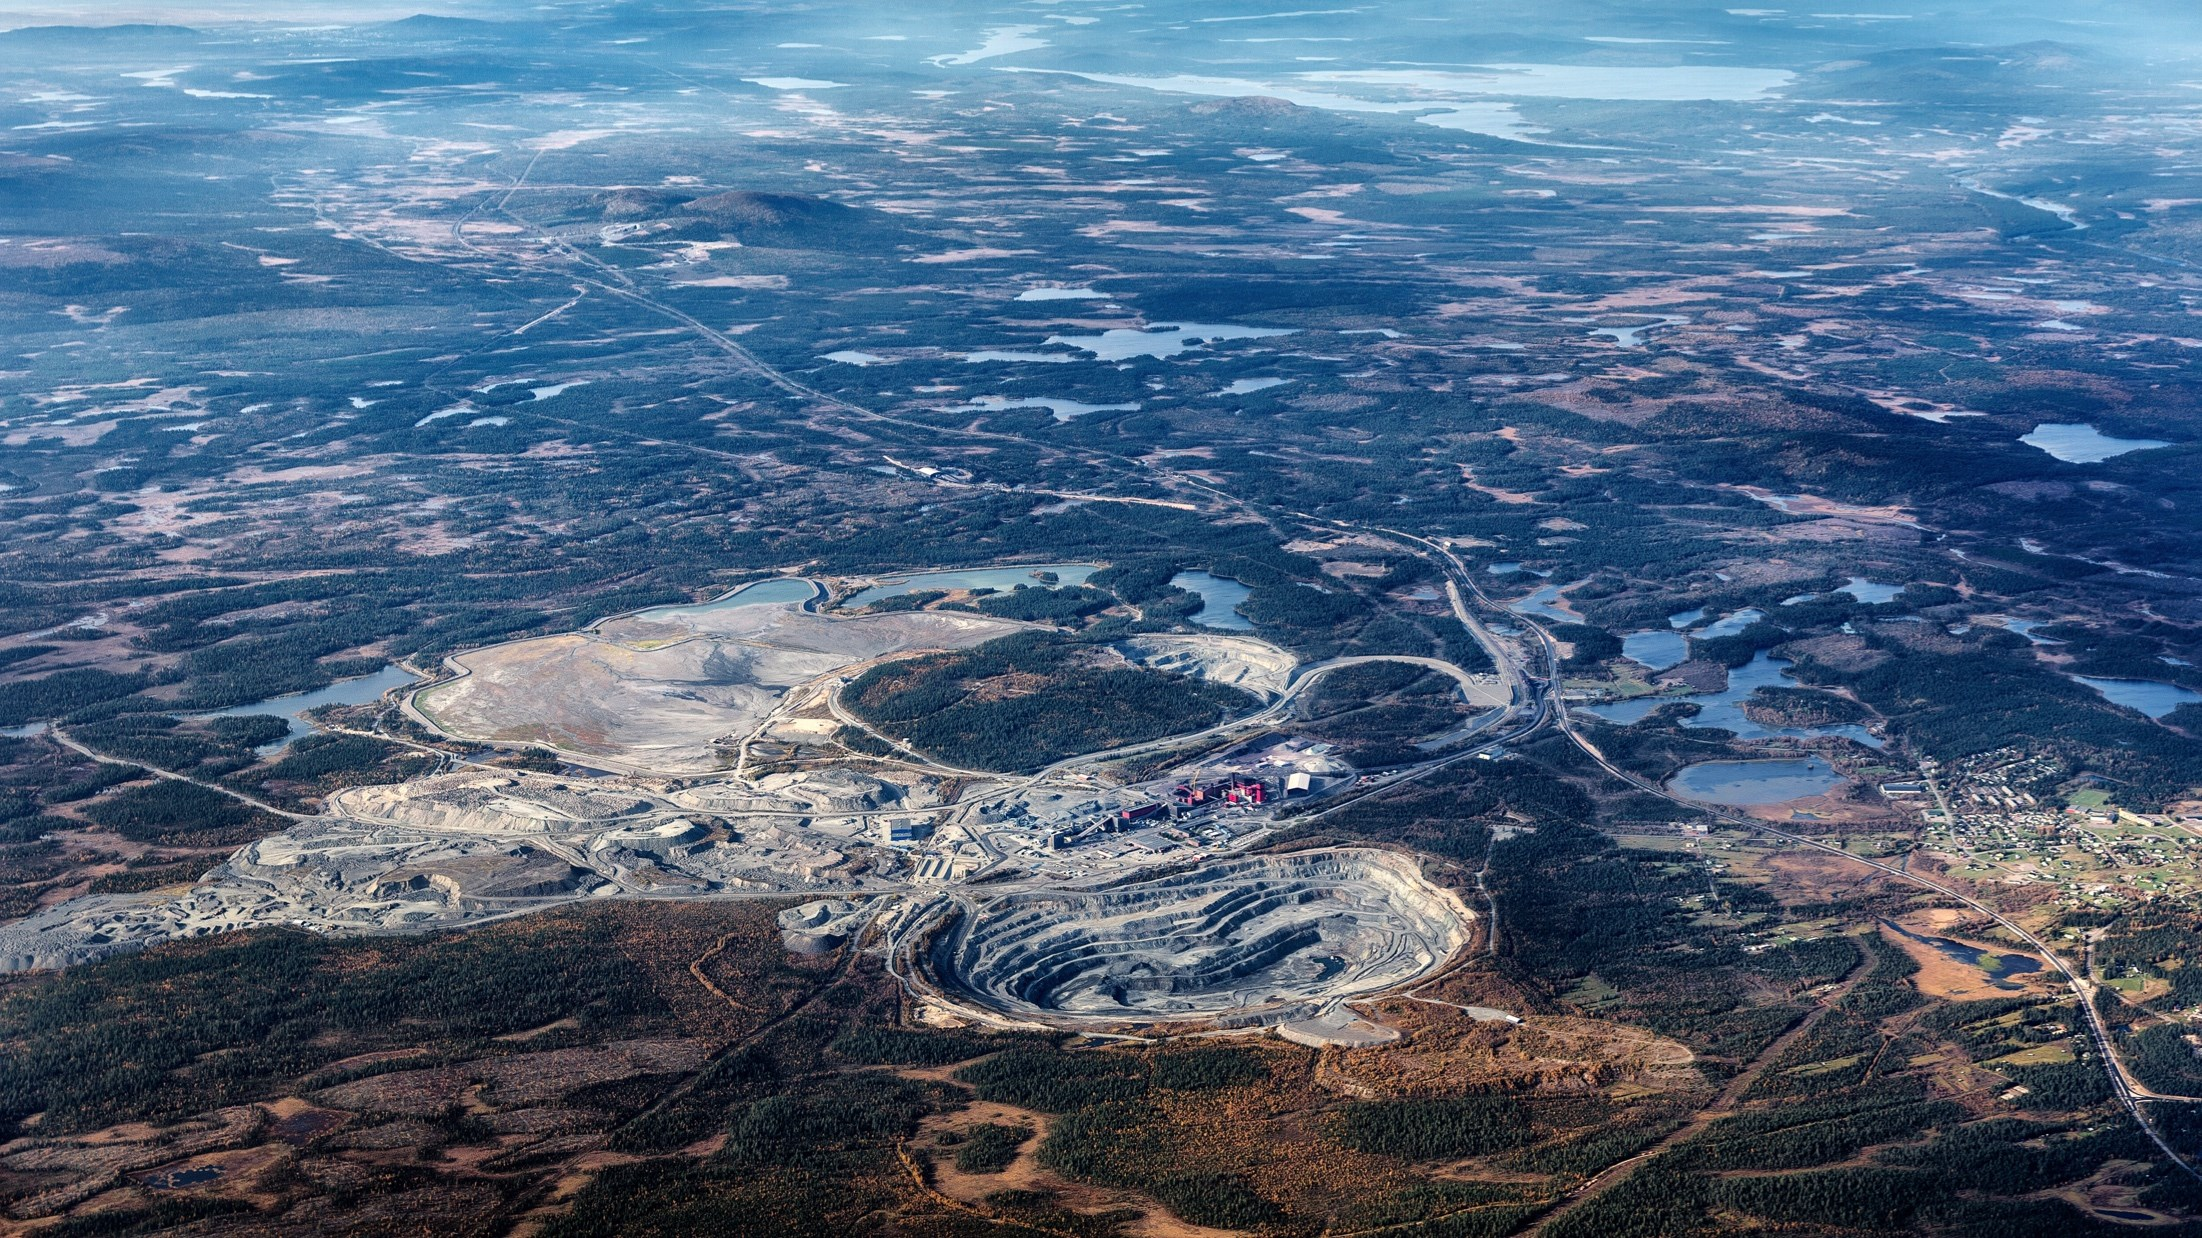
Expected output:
(1260, 938)
(1105, 901)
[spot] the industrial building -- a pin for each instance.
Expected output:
(904, 832)
(1238, 789)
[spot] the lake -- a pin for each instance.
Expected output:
(1000, 41)
(1742, 784)
(1012, 354)
(2143, 695)
(1220, 597)
(1000, 579)
(1633, 336)
(1724, 709)
(291, 707)
(1063, 410)
(1165, 339)
(1655, 650)
(2076, 443)
(182, 1179)
(1495, 119)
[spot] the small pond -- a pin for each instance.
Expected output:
(1872, 593)
(1546, 603)
(1997, 964)
(1220, 597)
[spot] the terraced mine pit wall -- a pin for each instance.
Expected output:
(1244, 941)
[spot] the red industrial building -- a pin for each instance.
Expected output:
(1132, 816)
(1238, 790)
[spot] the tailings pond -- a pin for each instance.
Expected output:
(999, 579)
(764, 592)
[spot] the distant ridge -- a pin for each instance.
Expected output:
(432, 23)
(2017, 74)
(79, 34)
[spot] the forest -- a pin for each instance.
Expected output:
(1375, 714)
(1024, 701)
